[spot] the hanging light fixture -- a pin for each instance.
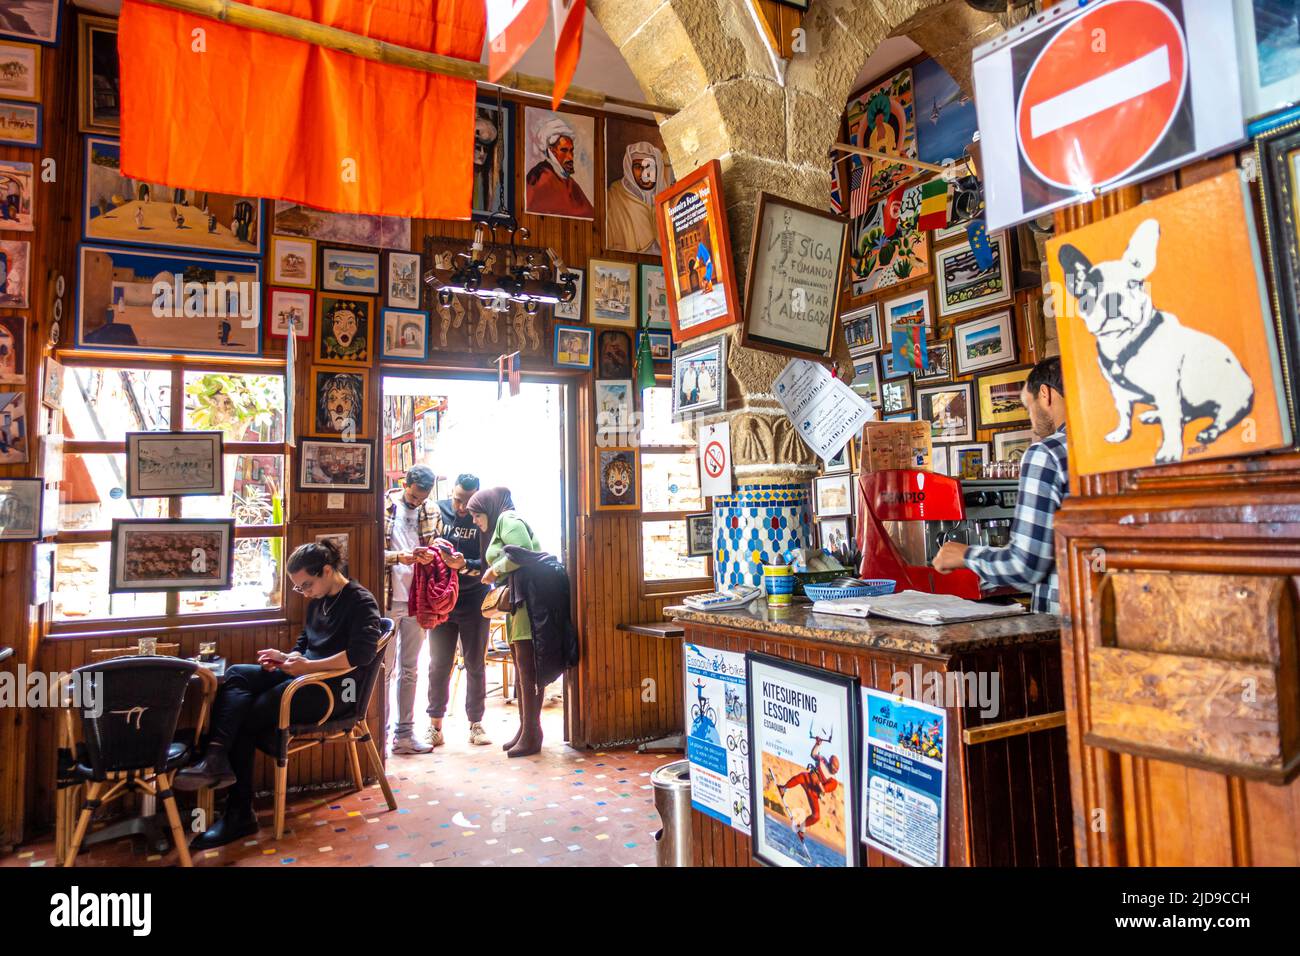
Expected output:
(524, 278)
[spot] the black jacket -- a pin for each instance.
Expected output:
(542, 585)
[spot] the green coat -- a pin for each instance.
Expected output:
(511, 529)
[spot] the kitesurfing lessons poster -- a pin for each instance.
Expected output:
(804, 744)
(903, 800)
(717, 734)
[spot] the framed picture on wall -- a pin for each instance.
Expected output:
(494, 158)
(338, 401)
(14, 428)
(349, 270)
(661, 345)
(834, 534)
(611, 293)
(20, 508)
(52, 393)
(402, 279)
(573, 346)
(793, 283)
(552, 140)
(116, 208)
(40, 22)
(938, 363)
(862, 329)
(692, 223)
(613, 405)
(289, 310)
(98, 87)
(16, 260)
(1011, 445)
(820, 726)
(963, 285)
(654, 298)
(13, 350)
(20, 78)
(171, 554)
(866, 378)
(948, 409)
(1268, 53)
(618, 472)
(344, 329)
(16, 192)
(1279, 155)
(896, 395)
(987, 341)
(329, 464)
(833, 495)
(699, 535)
(118, 310)
(613, 354)
(700, 379)
(293, 262)
(968, 460)
(161, 464)
(940, 462)
(999, 397)
(571, 311)
(910, 309)
(21, 123)
(341, 539)
(405, 336)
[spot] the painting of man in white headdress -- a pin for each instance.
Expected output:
(560, 153)
(636, 170)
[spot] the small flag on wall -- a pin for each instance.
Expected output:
(508, 370)
(979, 244)
(908, 342)
(934, 205)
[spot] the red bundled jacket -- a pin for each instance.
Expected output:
(434, 589)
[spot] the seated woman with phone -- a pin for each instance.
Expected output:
(341, 630)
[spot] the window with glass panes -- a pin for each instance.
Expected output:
(670, 490)
(101, 404)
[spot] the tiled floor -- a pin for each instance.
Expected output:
(459, 806)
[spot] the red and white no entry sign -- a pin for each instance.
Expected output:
(1102, 94)
(715, 459)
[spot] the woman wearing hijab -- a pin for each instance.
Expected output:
(499, 527)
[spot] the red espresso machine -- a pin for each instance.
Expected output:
(916, 501)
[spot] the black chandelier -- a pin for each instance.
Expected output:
(525, 278)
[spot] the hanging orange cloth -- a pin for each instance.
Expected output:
(243, 112)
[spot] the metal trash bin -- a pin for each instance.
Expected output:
(672, 783)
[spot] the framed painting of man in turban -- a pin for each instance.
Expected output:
(560, 156)
(636, 170)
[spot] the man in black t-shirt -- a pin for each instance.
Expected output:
(455, 527)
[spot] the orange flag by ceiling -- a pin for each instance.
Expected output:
(207, 105)
(569, 15)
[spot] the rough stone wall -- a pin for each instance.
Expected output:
(706, 59)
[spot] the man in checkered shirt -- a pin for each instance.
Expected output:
(1029, 561)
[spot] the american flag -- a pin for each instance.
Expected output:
(858, 190)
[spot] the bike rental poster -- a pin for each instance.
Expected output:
(717, 735)
(904, 803)
(804, 744)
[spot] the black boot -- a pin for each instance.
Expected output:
(238, 821)
(519, 731)
(214, 771)
(530, 703)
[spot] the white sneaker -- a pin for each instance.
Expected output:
(478, 736)
(434, 736)
(409, 745)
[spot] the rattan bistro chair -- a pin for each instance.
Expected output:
(128, 741)
(351, 726)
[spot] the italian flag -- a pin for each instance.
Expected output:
(934, 205)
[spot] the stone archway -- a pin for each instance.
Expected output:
(705, 58)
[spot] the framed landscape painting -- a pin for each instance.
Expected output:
(16, 195)
(293, 262)
(20, 71)
(405, 335)
(948, 410)
(999, 397)
(963, 286)
(118, 309)
(349, 270)
(118, 208)
(161, 464)
(35, 20)
(20, 124)
(984, 342)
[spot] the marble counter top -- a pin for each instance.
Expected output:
(800, 622)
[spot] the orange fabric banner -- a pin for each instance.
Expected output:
(207, 105)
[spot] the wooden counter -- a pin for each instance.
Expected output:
(1008, 783)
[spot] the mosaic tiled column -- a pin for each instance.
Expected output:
(754, 527)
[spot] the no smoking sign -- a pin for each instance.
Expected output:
(715, 459)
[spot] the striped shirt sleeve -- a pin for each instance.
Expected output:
(1030, 557)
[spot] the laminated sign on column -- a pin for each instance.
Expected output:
(826, 413)
(1093, 97)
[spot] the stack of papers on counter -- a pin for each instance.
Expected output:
(917, 607)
